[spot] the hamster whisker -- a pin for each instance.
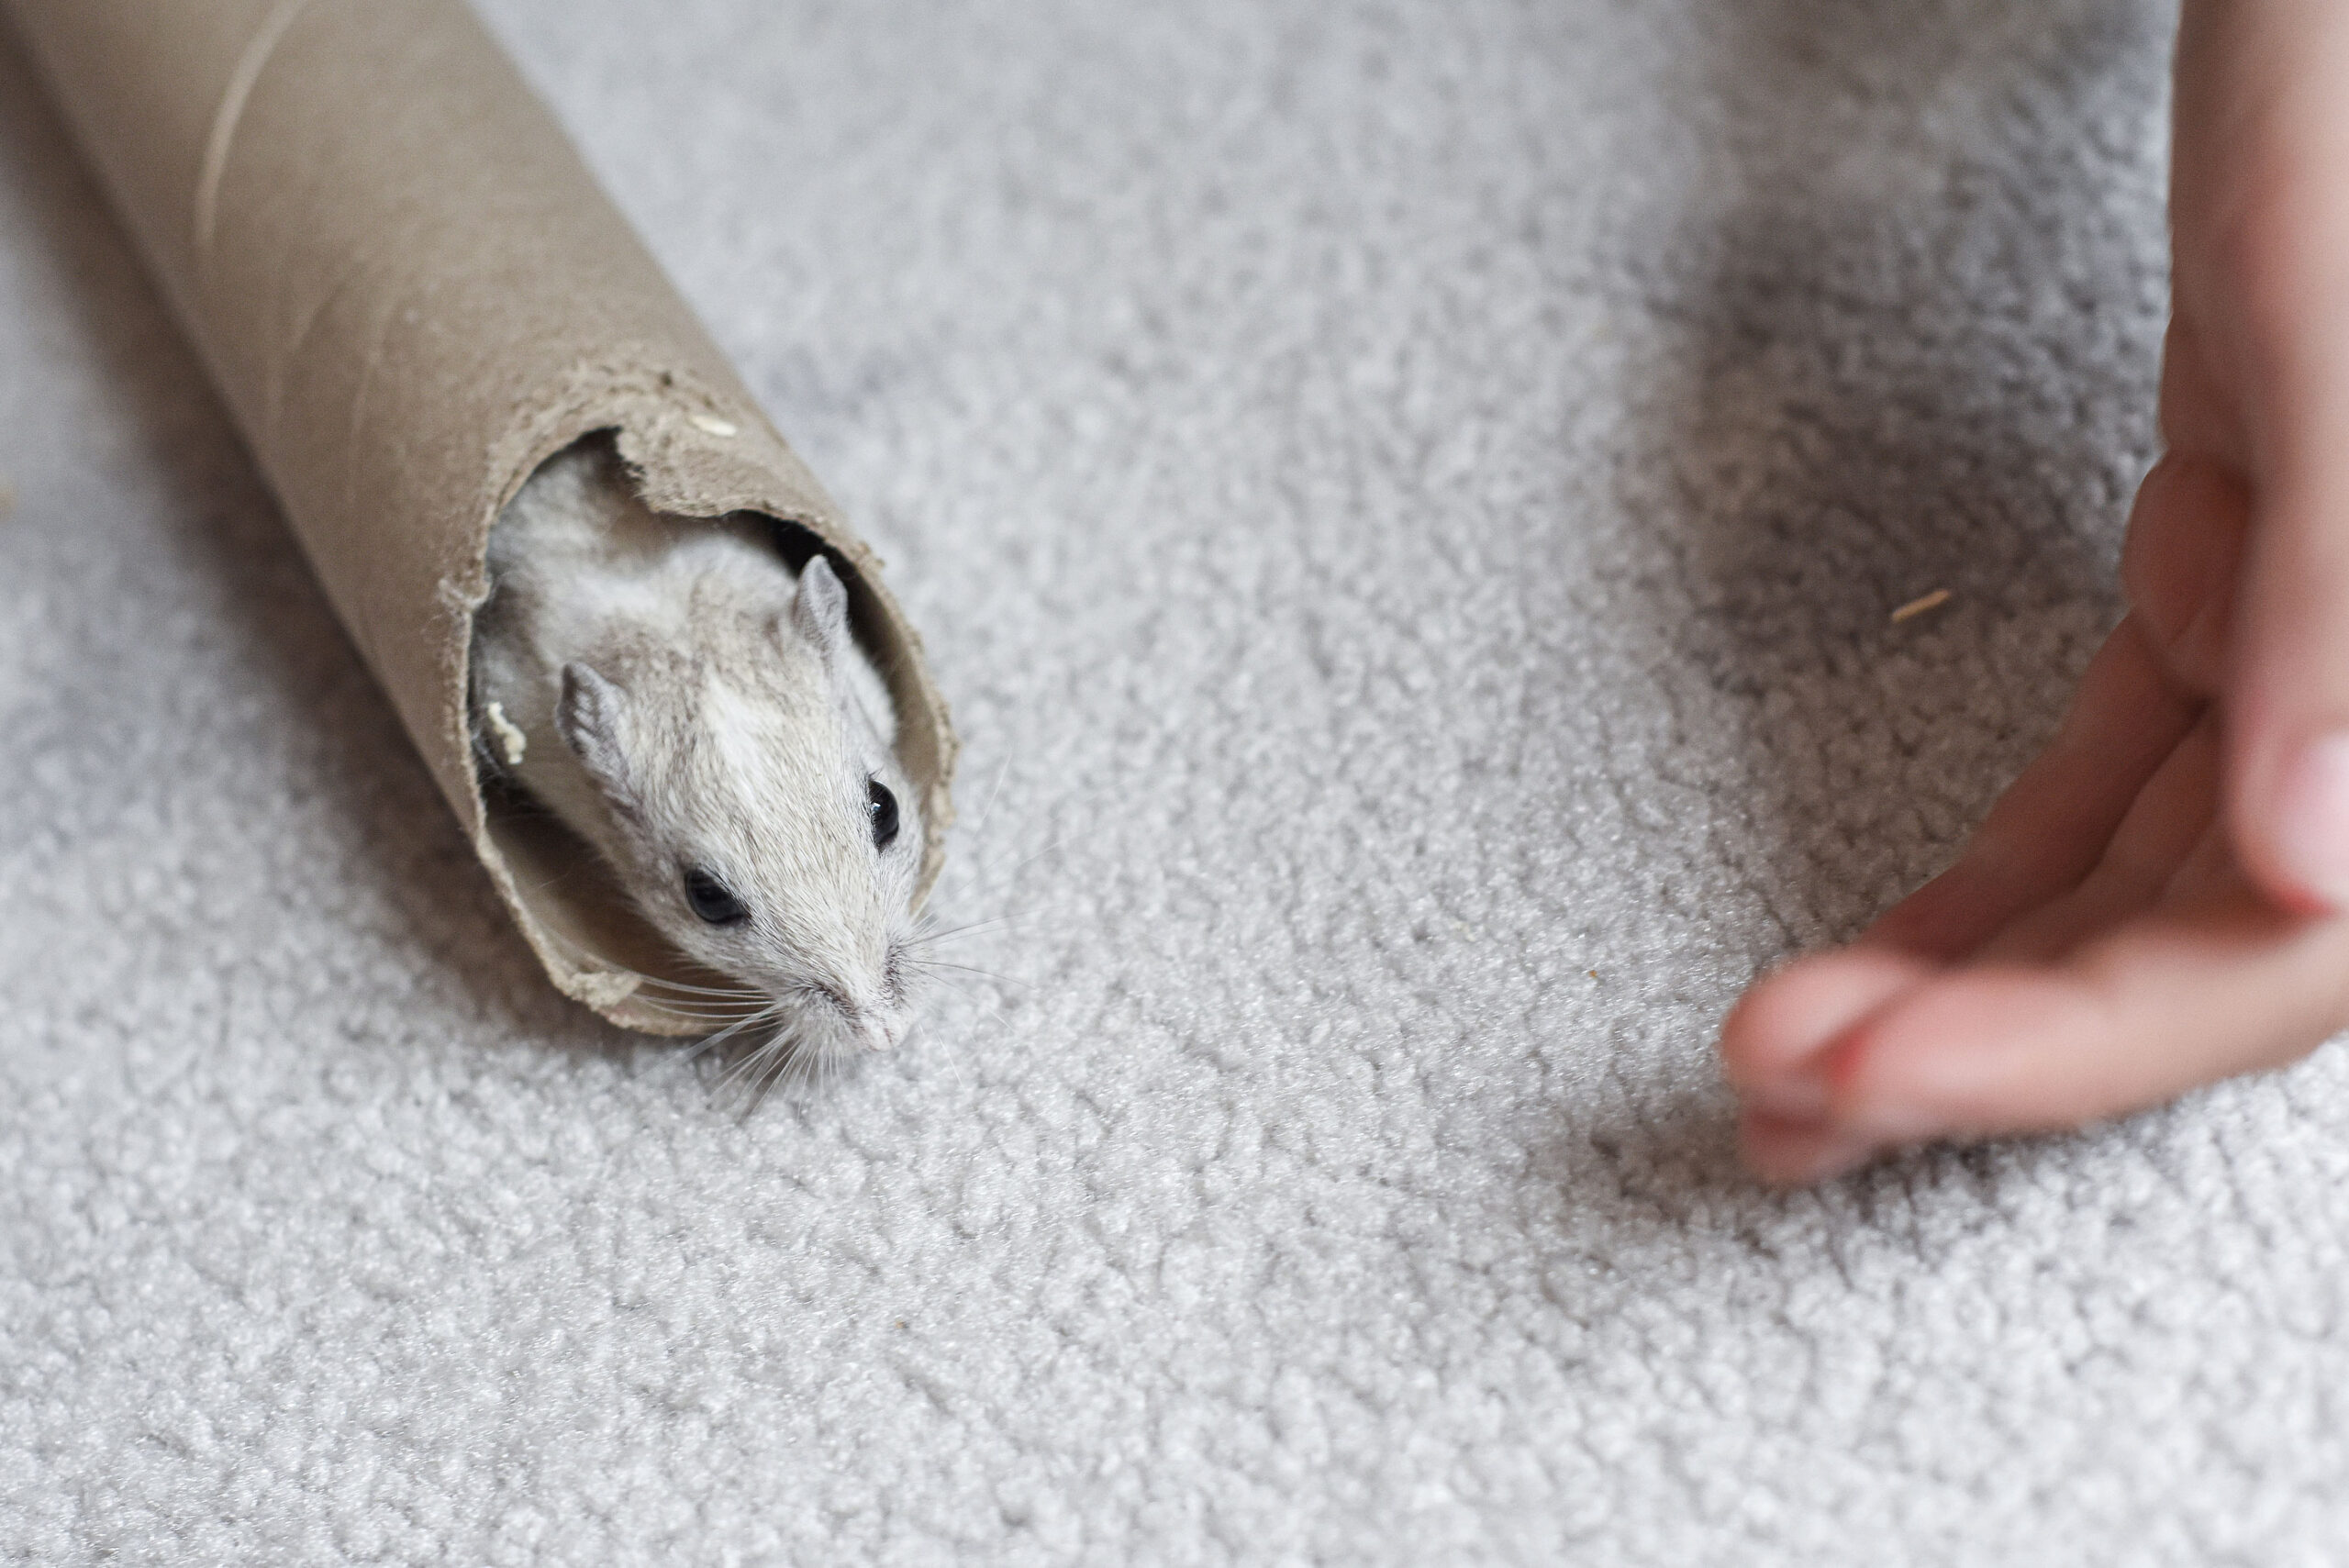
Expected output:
(752, 1067)
(928, 960)
(727, 991)
(994, 790)
(704, 998)
(799, 1075)
(767, 1014)
(766, 1086)
(986, 1012)
(953, 1060)
(755, 1075)
(829, 1069)
(690, 1015)
(934, 965)
(559, 877)
(929, 935)
(707, 1020)
(938, 966)
(726, 1004)
(971, 999)
(706, 1004)
(784, 1060)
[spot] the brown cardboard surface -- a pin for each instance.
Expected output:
(411, 292)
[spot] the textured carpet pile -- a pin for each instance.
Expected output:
(1406, 500)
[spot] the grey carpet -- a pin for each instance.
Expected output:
(1406, 499)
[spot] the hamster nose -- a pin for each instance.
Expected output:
(868, 1024)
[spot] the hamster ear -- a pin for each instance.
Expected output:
(821, 610)
(590, 716)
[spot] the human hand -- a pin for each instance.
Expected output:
(2156, 903)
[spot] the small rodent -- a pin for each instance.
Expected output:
(681, 700)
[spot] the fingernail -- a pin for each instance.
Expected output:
(2313, 819)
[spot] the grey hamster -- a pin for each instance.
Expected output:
(699, 713)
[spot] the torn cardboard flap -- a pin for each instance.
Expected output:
(411, 292)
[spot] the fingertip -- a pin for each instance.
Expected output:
(1790, 1152)
(2294, 835)
(2001, 1050)
(1789, 1016)
(1915, 1071)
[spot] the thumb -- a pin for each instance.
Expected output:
(2259, 223)
(2287, 694)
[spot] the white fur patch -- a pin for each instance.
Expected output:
(510, 738)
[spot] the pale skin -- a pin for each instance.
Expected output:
(2161, 900)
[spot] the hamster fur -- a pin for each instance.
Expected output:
(699, 714)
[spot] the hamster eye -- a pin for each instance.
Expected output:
(884, 808)
(713, 900)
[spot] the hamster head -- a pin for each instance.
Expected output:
(758, 817)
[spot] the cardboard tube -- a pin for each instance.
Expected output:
(411, 292)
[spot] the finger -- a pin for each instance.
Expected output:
(2210, 871)
(2170, 815)
(2179, 997)
(2197, 412)
(1793, 1153)
(2262, 264)
(2044, 834)
(2180, 562)
(1781, 1023)
(2051, 827)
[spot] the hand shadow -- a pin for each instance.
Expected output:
(1912, 347)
